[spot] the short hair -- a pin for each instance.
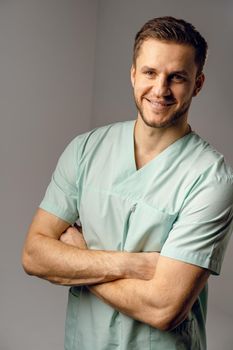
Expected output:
(173, 30)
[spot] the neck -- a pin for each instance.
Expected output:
(151, 141)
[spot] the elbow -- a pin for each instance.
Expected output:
(30, 260)
(33, 262)
(173, 323)
(28, 263)
(167, 325)
(160, 322)
(166, 319)
(34, 265)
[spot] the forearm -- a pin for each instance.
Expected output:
(133, 297)
(63, 264)
(162, 302)
(136, 298)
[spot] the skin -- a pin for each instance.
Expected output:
(164, 81)
(146, 286)
(165, 73)
(163, 301)
(46, 256)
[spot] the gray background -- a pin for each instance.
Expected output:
(64, 69)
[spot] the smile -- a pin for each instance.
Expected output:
(159, 105)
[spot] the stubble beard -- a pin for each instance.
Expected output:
(174, 118)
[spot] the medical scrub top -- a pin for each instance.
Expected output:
(179, 204)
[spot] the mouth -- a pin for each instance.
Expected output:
(158, 104)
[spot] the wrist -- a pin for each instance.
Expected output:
(141, 265)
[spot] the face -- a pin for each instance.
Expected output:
(164, 81)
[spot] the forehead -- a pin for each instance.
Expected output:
(166, 55)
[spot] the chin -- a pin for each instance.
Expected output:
(158, 123)
(163, 121)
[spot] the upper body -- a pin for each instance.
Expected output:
(179, 204)
(148, 186)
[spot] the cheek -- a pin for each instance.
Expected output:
(141, 88)
(183, 93)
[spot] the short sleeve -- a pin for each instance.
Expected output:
(61, 195)
(203, 227)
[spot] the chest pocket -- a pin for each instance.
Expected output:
(148, 228)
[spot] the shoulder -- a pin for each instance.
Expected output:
(200, 171)
(100, 136)
(209, 176)
(205, 161)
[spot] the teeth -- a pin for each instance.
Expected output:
(156, 103)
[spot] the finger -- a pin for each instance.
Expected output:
(62, 237)
(66, 229)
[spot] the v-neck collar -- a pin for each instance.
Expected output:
(163, 153)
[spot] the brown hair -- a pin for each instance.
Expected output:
(174, 30)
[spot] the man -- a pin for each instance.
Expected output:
(155, 205)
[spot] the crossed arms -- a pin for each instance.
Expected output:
(149, 287)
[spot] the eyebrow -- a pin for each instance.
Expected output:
(180, 72)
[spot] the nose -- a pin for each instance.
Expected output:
(161, 87)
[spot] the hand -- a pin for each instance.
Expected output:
(73, 236)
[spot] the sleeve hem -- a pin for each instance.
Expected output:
(58, 212)
(195, 258)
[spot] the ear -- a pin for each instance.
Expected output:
(198, 84)
(132, 74)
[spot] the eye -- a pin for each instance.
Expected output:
(177, 78)
(149, 73)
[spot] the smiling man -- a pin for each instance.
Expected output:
(155, 203)
(164, 77)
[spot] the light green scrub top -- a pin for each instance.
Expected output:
(179, 204)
